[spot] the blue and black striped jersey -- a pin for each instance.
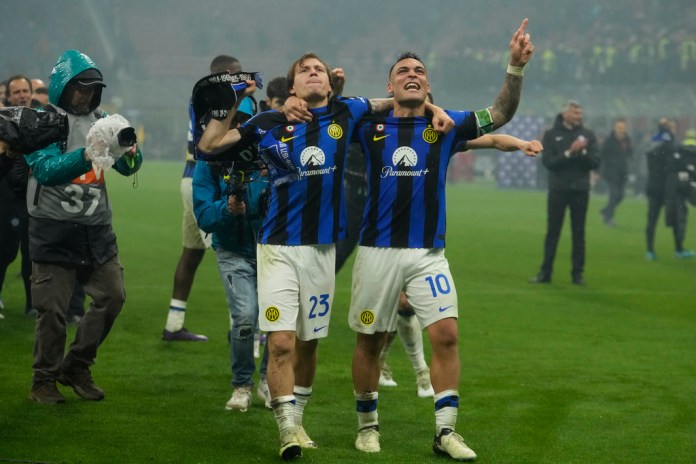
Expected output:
(406, 174)
(306, 164)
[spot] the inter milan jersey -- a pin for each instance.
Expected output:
(306, 164)
(406, 173)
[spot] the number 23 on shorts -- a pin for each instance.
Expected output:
(320, 306)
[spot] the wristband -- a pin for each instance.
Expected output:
(515, 70)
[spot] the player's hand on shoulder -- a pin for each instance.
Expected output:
(442, 122)
(296, 110)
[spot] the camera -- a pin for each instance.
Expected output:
(235, 185)
(126, 138)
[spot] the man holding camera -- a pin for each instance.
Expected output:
(570, 153)
(70, 235)
(229, 201)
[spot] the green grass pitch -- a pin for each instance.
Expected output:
(550, 374)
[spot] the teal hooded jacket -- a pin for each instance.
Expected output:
(50, 166)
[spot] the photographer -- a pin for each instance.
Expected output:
(70, 234)
(228, 201)
(679, 189)
(22, 130)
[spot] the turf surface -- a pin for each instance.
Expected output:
(550, 373)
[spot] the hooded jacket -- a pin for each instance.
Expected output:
(659, 154)
(70, 214)
(570, 174)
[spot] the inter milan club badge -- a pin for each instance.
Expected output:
(430, 135)
(335, 131)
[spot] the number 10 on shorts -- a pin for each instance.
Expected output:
(438, 284)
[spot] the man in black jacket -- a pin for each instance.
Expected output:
(570, 153)
(663, 167)
(615, 156)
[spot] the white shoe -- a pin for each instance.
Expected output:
(303, 438)
(385, 376)
(452, 444)
(368, 440)
(241, 399)
(424, 387)
(264, 393)
(290, 446)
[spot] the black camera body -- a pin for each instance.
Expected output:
(127, 137)
(236, 187)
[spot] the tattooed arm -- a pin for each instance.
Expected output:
(508, 99)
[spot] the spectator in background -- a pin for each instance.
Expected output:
(13, 206)
(570, 153)
(615, 156)
(3, 91)
(276, 94)
(195, 241)
(18, 91)
(39, 95)
(681, 187)
(663, 145)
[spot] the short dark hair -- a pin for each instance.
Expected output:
(278, 88)
(405, 56)
(222, 63)
(302, 59)
(17, 77)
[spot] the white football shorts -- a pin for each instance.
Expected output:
(380, 274)
(296, 288)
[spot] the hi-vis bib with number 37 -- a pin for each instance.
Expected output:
(83, 200)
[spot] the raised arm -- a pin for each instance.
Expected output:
(504, 142)
(218, 136)
(505, 105)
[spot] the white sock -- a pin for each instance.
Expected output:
(283, 408)
(176, 315)
(366, 407)
(446, 407)
(411, 335)
(302, 395)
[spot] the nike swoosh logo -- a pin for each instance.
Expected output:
(287, 139)
(442, 310)
(376, 138)
(558, 139)
(318, 329)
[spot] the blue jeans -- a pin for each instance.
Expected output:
(239, 279)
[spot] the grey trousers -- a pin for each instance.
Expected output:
(52, 286)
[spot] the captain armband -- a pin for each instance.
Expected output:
(484, 121)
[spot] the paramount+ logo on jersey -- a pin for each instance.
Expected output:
(404, 159)
(313, 159)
